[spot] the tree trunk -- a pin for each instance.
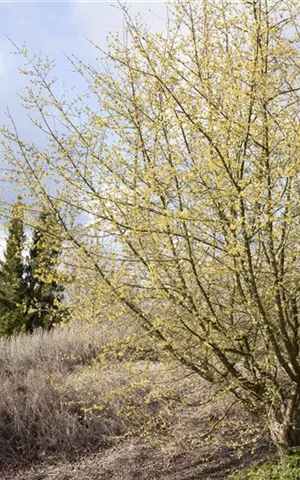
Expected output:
(285, 434)
(280, 436)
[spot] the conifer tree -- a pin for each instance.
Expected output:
(44, 288)
(12, 276)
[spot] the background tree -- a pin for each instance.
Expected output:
(190, 163)
(12, 276)
(45, 292)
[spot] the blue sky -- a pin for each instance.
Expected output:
(52, 29)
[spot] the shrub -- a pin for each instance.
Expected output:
(56, 398)
(36, 418)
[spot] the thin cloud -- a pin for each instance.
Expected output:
(96, 20)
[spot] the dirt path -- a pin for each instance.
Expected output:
(137, 460)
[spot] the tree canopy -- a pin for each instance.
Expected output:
(31, 285)
(178, 182)
(45, 288)
(12, 281)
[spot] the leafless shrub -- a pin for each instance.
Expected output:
(56, 398)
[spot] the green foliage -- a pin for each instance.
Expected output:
(287, 470)
(44, 289)
(31, 292)
(12, 282)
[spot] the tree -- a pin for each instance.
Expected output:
(45, 293)
(31, 292)
(12, 276)
(189, 165)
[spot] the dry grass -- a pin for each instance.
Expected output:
(59, 403)
(58, 399)
(38, 415)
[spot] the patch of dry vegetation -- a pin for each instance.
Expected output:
(36, 416)
(58, 398)
(126, 417)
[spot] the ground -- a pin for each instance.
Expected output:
(138, 460)
(67, 413)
